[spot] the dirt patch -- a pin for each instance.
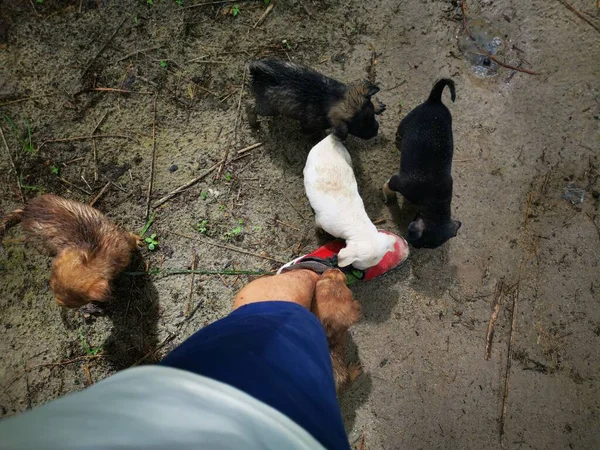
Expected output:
(520, 140)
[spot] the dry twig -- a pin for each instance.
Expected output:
(84, 138)
(250, 147)
(229, 247)
(12, 163)
(513, 325)
(153, 164)
(463, 6)
(114, 33)
(100, 194)
(192, 276)
(493, 317)
(264, 15)
(581, 15)
(594, 223)
(185, 186)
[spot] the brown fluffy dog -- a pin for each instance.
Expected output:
(337, 310)
(90, 250)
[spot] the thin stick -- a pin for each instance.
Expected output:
(100, 194)
(116, 90)
(493, 317)
(75, 186)
(594, 223)
(264, 15)
(235, 125)
(292, 205)
(185, 186)
(580, 15)
(250, 147)
(152, 166)
(84, 138)
(463, 6)
(114, 33)
(196, 271)
(152, 352)
(193, 275)
(198, 5)
(513, 325)
(12, 163)
(94, 149)
(19, 100)
(129, 55)
(228, 247)
(287, 225)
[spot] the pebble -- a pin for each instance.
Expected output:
(173, 168)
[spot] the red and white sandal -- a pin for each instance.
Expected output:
(325, 257)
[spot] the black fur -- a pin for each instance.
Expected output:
(424, 138)
(292, 90)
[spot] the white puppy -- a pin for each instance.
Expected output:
(333, 194)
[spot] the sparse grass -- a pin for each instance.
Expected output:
(147, 225)
(55, 170)
(204, 195)
(234, 232)
(202, 226)
(163, 64)
(25, 142)
(90, 351)
(227, 176)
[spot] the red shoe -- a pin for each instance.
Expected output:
(325, 257)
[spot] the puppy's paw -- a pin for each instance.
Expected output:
(387, 194)
(136, 241)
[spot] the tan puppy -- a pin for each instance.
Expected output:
(337, 310)
(90, 250)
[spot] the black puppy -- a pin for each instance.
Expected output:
(424, 138)
(318, 102)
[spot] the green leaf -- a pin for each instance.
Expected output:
(163, 64)
(204, 195)
(153, 236)
(235, 10)
(228, 176)
(151, 247)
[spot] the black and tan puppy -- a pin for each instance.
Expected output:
(424, 139)
(337, 310)
(90, 250)
(292, 90)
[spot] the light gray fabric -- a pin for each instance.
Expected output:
(155, 407)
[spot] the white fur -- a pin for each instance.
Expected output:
(333, 194)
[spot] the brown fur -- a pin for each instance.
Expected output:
(337, 310)
(90, 250)
(354, 100)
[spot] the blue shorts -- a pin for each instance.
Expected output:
(276, 352)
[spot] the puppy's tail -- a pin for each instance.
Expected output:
(264, 70)
(9, 221)
(436, 92)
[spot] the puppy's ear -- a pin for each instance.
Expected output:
(346, 257)
(415, 229)
(369, 89)
(99, 291)
(340, 130)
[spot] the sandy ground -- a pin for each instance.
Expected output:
(520, 139)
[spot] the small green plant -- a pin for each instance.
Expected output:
(235, 232)
(227, 176)
(286, 44)
(55, 170)
(39, 2)
(179, 2)
(204, 195)
(202, 226)
(256, 228)
(267, 2)
(90, 351)
(235, 10)
(152, 242)
(163, 64)
(221, 208)
(147, 225)
(150, 2)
